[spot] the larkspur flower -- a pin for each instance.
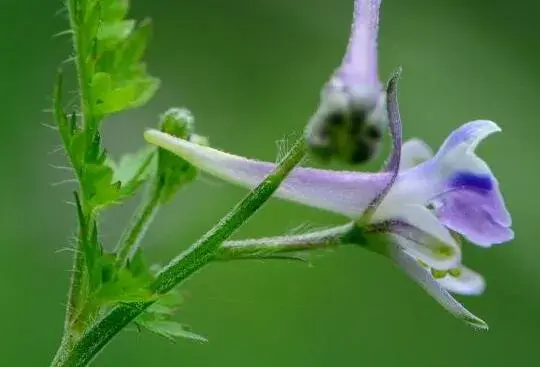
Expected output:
(351, 118)
(412, 210)
(453, 191)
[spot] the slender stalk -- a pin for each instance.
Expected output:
(78, 261)
(88, 117)
(271, 247)
(181, 267)
(88, 123)
(139, 223)
(75, 290)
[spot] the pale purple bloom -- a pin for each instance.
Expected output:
(416, 205)
(451, 191)
(351, 118)
(359, 66)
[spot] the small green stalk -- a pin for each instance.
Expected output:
(280, 246)
(89, 122)
(180, 268)
(139, 223)
(87, 118)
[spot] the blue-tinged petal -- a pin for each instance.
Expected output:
(346, 193)
(465, 192)
(479, 216)
(465, 282)
(414, 152)
(424, 278)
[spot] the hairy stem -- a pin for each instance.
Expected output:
(270, 247)
(83, 74)
(181, 267)
(88, 123)
(139, 223)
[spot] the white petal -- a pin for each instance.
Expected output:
(431, 252)
(423, 277)
(468, 283)
(422, 219)
(414, 152)
(346, 193)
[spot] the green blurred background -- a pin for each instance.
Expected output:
(251, 71)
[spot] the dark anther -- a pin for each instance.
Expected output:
(373, 132)
(361, 153)
(335, 119)
(358, 117)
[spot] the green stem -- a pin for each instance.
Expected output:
(139, 223)
(78, 269)
(75, 289)
(180, 268)
(89, 122)
(271, 247)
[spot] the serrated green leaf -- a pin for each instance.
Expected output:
(114, 10)
(144, 90)
(107, 268)
(110, 98)
(157, 317)
(137, 265)
(171, 330)
(90, 21)
(123, 285)
(133, 48)
(102, 87)
(124, 290)
(60, 116)
(77, 148)
(95, 153)
(132, 166)
(94, 259)
(117, 99)
(104, 182)
(116, 31)
(158, 309)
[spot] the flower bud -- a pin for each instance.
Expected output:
(350, 121)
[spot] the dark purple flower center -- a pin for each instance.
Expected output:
(471, 181)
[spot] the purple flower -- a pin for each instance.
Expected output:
(415, 208)
(359, 66)
(351, 118)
